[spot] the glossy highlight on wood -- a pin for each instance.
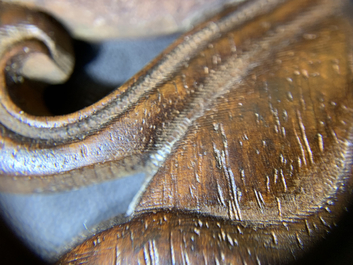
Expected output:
(243, 126)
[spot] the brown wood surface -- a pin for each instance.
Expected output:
(243, 125)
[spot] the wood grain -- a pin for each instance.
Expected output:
(244, 127)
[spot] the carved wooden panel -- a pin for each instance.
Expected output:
(244, 126)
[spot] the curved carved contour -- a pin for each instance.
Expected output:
(245, 124)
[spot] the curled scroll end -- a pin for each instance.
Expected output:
(35, 51)
(40, 67)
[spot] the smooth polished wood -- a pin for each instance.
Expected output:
(244, 127)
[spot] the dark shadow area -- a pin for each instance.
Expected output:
(336, 248)
(13, 251)
(81, 90)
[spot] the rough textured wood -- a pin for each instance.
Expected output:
(245, 124)
(172, 237)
